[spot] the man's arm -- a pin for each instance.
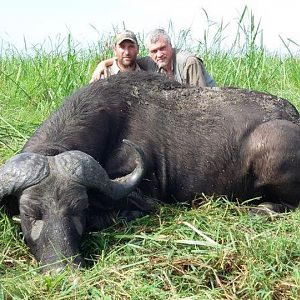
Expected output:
(195, 73)
(101, 69)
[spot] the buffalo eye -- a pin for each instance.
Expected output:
(33, 214)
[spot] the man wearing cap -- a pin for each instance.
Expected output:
(125, 49)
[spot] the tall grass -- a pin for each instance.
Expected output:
(212, 251)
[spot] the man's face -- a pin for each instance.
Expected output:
(126, 53)
(161, 53)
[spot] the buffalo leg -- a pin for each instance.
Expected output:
(272, 155)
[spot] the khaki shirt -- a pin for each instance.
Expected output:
(187, 69)
(114, 68)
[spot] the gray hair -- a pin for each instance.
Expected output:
(154, 35)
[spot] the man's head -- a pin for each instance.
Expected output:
(126, 49)
(160, 49)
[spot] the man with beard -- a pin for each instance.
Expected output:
(125, 49)
(184, 67)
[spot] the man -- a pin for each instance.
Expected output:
(125, 49)
(183, 67)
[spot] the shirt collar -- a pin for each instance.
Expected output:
(115, 68)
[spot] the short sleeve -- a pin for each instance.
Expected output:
(193, 72)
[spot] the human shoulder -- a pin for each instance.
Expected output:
(187, 58)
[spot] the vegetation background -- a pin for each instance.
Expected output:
(211, 251)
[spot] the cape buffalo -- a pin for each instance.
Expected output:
(189, 141)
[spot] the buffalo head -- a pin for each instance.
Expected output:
(53, 199)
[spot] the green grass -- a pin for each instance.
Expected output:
(212, 251)
(215, 251)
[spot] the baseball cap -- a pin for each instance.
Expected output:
(125, 35)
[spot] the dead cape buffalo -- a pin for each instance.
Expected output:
(186, 141)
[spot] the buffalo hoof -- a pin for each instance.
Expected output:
(264, 210)
(269, 209)
(55, 268)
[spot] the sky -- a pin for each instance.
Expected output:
(37, 21)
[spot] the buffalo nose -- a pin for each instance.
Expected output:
(53, 272)
(60, 266)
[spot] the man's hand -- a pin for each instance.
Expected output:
(101, 70)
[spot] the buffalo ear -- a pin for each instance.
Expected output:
(10, 205)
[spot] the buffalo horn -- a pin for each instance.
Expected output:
(84, 169)
(22, 171)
